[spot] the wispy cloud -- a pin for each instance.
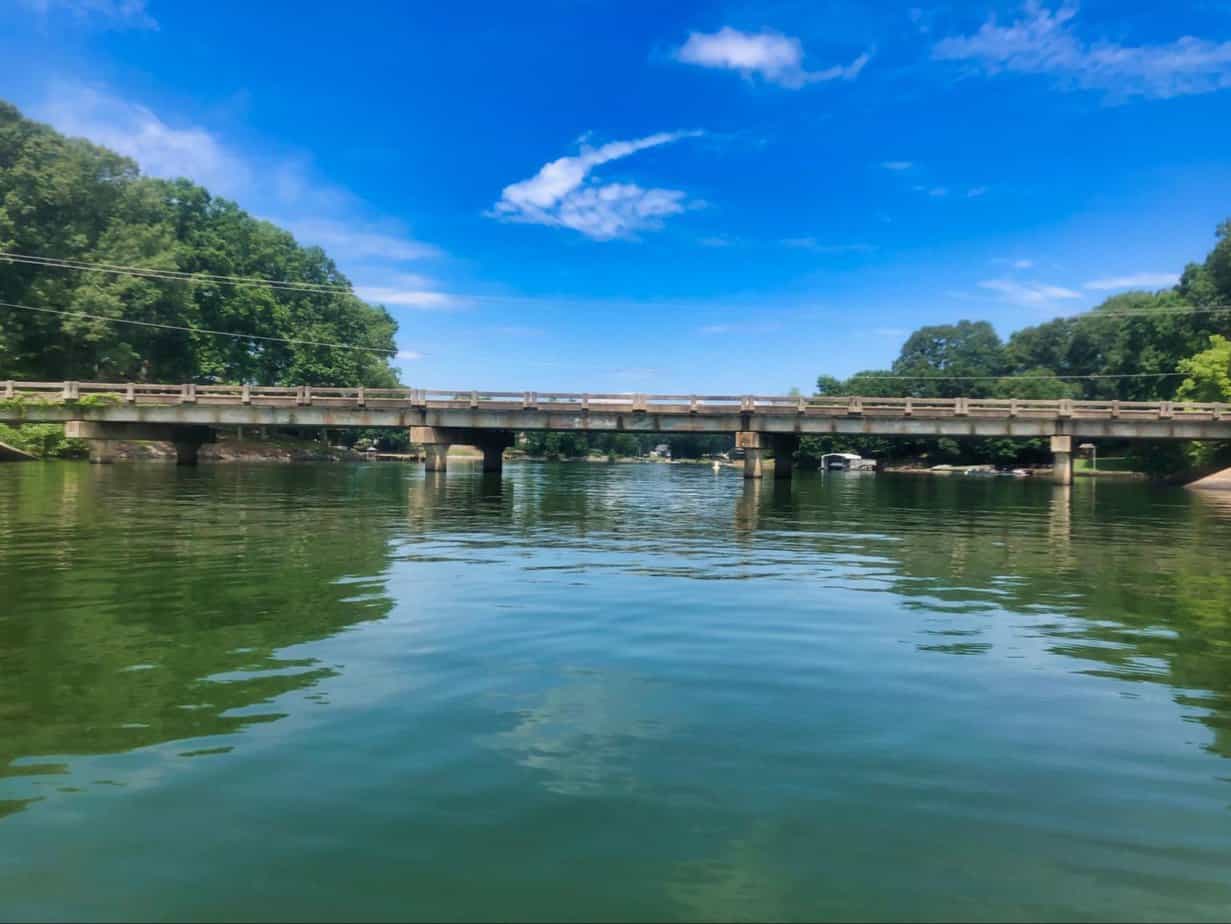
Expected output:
(1133, 281)
(561, 194)
(1028, 294)
(284, 189)
(1042, 41)
(360, 240)
(772, 56)
(129, 13)
(897, 164)
(816, 246)
(740, 327)
(936, 192)
(135, 131)
(421, 299)
(1020, 263)
(974, 192)
(409, 355)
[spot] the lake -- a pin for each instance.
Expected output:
(610, 692)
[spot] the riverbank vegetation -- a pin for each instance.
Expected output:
(1137, 346)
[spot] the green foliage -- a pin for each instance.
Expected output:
(1136, 346)
(66, 198)
(46, 441)
(1207, 375)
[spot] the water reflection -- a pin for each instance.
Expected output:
(146, 604)
(788, 683)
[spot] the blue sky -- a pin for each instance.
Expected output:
(683, 197)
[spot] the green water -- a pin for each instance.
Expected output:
(609, 692)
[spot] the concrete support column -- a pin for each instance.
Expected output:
(187, 452)
(493, 458)
(752, 463)
(493, 445)
(784, 455)
(437, 456)
(753, 444)
(1062, 459)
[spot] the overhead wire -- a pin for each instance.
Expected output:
(199, 330)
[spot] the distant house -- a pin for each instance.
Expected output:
(661, 451)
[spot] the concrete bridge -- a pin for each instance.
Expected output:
(188, 414)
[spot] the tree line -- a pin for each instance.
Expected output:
(68, 199)
(1137, 346)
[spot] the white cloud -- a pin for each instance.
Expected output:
(774, 57)
(560, 195)
(1134, 281)
(124, 12)
(896, 164)
(422, 299)
(408, 355)
(936, 192)
(1028, 294)
(353, 239)
(1023, 264)
(135, 131)
(1042, 41)
(975, 192)
(812, 244)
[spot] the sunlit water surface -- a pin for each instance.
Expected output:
(609, 692)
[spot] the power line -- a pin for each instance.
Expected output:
(200, 330)
(144, 272)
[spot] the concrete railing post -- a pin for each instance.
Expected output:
(130, 393)
(1115, 410)
(361, 399)
(245, 394)
(854, 406)
(1166, 411)
(961, 407)
(1013, 407)
(909, 409)
(9, 389)
(1065, 408)
(307, 395)
(71, 391)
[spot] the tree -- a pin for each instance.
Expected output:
(948, 360)
(1207, 375)
(66, 198)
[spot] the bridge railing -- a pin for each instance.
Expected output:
(148, 393)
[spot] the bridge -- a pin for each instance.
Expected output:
(188, 414)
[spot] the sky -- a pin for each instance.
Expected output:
(683, 197)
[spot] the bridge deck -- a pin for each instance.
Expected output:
(109, 394)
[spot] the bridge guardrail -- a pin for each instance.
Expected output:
(150, 393)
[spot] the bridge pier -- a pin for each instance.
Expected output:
(437, 440)
(784, 446)
(104, 438)
(754, 451)
(1062, 459)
